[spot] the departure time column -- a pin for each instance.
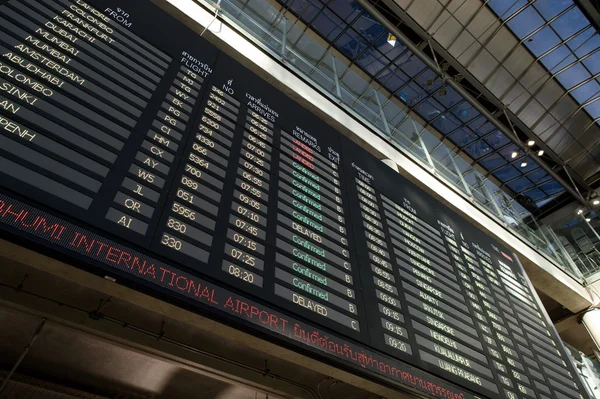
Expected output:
(246, 235)
(389, 302)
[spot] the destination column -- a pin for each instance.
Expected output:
(445, 332)
(313, 268)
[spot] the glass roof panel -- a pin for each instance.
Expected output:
(558, 59)
(392, 52)
(520, 185)
(594, 109)
(538, 176)
(368, 27)
(543, 41)
(526, 22)
(507, 151)
(507, 173)
(371, 61)
(411, 65)
(429, 109)
(347, 10)
(305, 9)
(497, 140)
(478, 149)
(428, 80)
(493, 161)
(574, 75)
(551, 8)
(447, 123)
(363, 40)
(328, 24)
(451, 98)
(462, 136)
(587, 91)
(392, 78)
(465, 112)
(584, 42)
(570, 23)
(505, 8)
(552, 188)
(593, 62)
(410, 94)
(483, 129)
(535, 194)
(351, 44)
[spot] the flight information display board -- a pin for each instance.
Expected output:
(130, 144)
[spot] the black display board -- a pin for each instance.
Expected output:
(131, 146)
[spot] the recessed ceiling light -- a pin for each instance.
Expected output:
(523, 164)
(588, 219)
(530, 143)
(596, 202)
(391, 39)
(540, 153)
(514, 154)
(579, 211)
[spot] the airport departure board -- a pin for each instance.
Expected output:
(132, 147)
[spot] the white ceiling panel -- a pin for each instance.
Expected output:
(403, 3)
(516, 97)
(563, 110)
(424, 12)
(561, 142)
(483, 25)
(501, 44)
(435, 26)
(464, 43)
(500, 82)
(550, 94)
(531, 113)
(448, 32)
(577, 123)
(463, 10)
(518, 62)
(546, 126)
(482, 65)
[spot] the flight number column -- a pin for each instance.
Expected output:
(246, 235)
(313, 267)
(196, 197)
(389, 303)
(135, 201)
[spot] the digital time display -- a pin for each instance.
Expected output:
(151, 154)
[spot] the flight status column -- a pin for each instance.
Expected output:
(447, 339)
(187, 231)
(313, 268)
(389, 302)
(72, 89)
(246, 235)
